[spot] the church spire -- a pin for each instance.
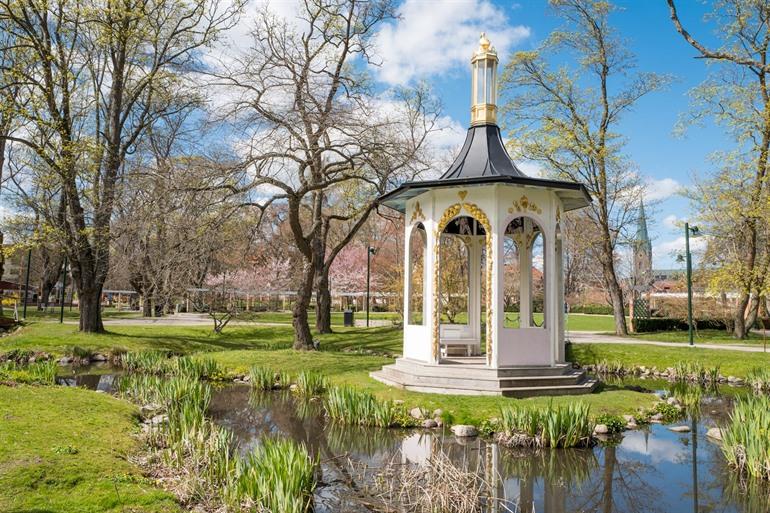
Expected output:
(642, 237)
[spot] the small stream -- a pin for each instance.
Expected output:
(648, 470)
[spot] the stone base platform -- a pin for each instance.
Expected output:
(471, 376)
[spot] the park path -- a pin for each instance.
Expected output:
(594, 337)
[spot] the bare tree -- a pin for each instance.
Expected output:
(95, 84)
(566, 119)
(319, 140)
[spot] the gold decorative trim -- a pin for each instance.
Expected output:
(558, 213)
(417, 213)
(462, 195)
(480, 216)
(524, 205)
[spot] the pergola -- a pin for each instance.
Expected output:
(496, 231)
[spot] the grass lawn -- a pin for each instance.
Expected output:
(64, 449)
(337, 317)
(735, 363)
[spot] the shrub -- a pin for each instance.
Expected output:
(614, 423)
(594, 309)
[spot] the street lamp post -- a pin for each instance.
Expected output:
(687, 230)
(369, 252)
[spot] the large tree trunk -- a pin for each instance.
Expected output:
(303, 339)
(745, 315)
(146, 306)
(323, 303)
(613, 287)
(91, 310)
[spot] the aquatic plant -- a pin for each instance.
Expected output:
(148, 362)
(759, 379)
(311, 383)
(36, 373)
(553, 426)
(614, 423)
(696, 371)
(278, 476)
(355, 407)
(261, 378)
(198, 366)
(745, 441)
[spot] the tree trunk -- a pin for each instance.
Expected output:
(91, 310)
(739, 316)
(613, 288)
(303, 339)
(146, 306)
(323, 303)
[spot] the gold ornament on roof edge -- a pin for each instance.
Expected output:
(417, 213)
(525, 205)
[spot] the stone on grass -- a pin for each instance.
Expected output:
(439, 422)
(629, 419)
(416, 413)
(601, 429)
(429, 423)
(464, 430)
(657, 418)
(673, 401)
(438, 412)
(680, 429)
(158, 419)
(714, 433)
(631, 425)
(98, 357)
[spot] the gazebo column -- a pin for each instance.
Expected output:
(431, 290)
(525, 276)
(558, 325)
(553, 298)
(474, 285)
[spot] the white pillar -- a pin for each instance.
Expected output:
(474, 285)
(552, 268)
(559, 302)
(525, 275)
(431, 292)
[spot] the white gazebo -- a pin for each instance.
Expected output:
(483, 291)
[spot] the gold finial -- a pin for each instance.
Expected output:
(484, 43)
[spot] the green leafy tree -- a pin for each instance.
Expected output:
(566, 117)
(733, 205)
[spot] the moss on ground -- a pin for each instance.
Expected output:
(65, 449)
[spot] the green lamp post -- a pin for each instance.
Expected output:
(688, 258)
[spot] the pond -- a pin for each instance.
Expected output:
(648, 470)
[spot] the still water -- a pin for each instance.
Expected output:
(648, 470)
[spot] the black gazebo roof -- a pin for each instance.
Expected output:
(483, 160)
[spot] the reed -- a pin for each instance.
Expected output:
(745, 440)
(199, 367)
(350, 406)
(553, 426)
(261, 378)
(278, 476)
(148, 362)
(310, 383)
(759, 379)
(36, 373)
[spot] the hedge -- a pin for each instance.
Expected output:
(641, 325)
(594, 309)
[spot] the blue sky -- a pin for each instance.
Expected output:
(443, 35)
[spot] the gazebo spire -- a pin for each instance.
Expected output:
(484, 84)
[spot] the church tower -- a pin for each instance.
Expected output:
(642, 275)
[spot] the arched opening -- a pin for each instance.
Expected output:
(461, 286)
(524, 274)
(416, 270)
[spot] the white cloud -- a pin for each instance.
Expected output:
(432, 38)
(661, 189)
(676, 246)
(530, 168)
(672, 222)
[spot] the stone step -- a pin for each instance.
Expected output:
(469, 380)
(585, 387)
(478, 371)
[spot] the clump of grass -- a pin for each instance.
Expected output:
(350, 406)
(696, 372)
(552, 426)
(745, 441)
(261, 378)
(310, 383)
(278, 476)
(80, 354)
(148, 362)
(610, 367)
(200, 367)
(614, 423)
(759, 379)
(37, 373)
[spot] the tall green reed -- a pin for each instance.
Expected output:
(553, 426)
(745, 438)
